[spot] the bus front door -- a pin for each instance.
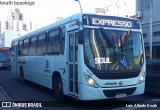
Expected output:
(73, 63)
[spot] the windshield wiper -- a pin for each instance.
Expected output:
(121, 46)
(125, 40)
(108, 40)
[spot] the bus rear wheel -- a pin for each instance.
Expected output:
(58, 88)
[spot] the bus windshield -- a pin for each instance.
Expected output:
(5, 55)
(113, 49)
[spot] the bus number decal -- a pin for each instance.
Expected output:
(47, 64)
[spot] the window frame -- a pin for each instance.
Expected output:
(30, 42)
(43, 33)
(20, 54)
(62, 39)
(25, 47)
(48, 41)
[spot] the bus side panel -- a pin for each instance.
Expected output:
(51, 64)
(47, 68)
(14, 60)
(60, 66)
(31, 69)
(28, 73)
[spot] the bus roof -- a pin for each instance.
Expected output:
(55, 24)
(78, 16)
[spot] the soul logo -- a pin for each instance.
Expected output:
(102, 60)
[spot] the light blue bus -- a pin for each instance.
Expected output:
(85, 56)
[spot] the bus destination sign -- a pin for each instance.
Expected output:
(110, 21)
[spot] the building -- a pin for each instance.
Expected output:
(143, 14)
(15, 21)
(8, 35)
(14, 24)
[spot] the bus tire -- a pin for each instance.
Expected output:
(58, 88)
(22, 76)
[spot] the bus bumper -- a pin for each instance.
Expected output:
(91, 93)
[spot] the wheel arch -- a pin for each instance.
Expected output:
(54, 75)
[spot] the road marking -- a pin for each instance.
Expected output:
(3, 92)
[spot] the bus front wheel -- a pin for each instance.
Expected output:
(58, 88)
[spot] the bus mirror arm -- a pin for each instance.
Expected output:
(80, 37)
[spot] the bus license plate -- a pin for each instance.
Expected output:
(121, 95)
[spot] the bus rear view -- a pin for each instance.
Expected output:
(114, 61)
(5, 58)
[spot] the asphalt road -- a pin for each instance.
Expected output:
(33, 92)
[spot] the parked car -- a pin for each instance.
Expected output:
(5, 65)
(153, 76)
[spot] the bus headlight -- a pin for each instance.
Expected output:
(91, 81)
(142, 78)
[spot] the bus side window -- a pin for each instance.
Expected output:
(33, 44)
(41, 46)
(25, 47)
(20, 48)
(63, 31)
(54, 42)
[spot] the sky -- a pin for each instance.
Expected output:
(44, 12)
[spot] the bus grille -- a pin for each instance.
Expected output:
(112, 93)
(117, 75)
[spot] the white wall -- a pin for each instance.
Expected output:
(9, 35)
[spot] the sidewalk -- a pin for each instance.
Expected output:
(4, 97)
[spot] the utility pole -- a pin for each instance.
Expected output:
(79, 4)
(150, 2)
